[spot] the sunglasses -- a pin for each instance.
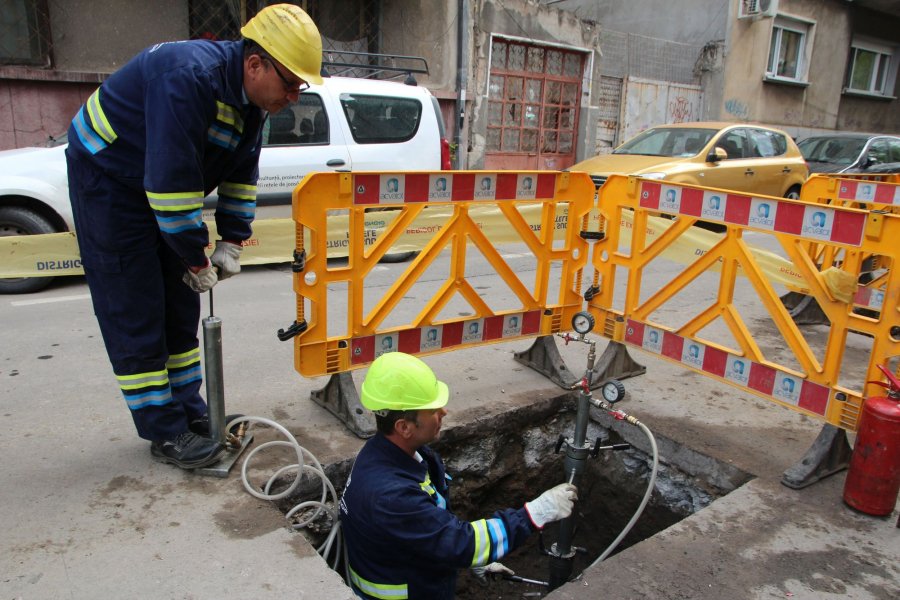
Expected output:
(289, 87)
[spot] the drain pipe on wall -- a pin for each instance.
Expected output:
(461, 137)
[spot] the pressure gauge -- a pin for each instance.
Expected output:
(583, 322)
(613, 391)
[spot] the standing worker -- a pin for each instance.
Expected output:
(402, 539)
(179, 120)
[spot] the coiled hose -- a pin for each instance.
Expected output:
(334, 539)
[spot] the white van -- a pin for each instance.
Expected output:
(347, 123)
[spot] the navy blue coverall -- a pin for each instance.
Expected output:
(402, 539)
(157, 137)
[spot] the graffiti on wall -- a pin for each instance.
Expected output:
(738, 108)
(680, 110)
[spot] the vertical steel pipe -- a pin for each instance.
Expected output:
(215, 380)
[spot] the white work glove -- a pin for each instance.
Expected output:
(494, 567)
(553, 505)
(201, 279)
(227, 257)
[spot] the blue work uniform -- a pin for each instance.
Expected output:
(150, 144)
(402, 539)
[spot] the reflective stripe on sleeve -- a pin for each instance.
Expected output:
(179, 223)
(499, 539)
(176, 200)
(223, 137)
(379, 590)
(482, 553)
(235, 207)
(98, 118)
(93, 142)
(240, 191)
(229, 115)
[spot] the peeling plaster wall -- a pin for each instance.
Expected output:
(748, 98)
(30, 111)
(99, 36)
(528, 19)
(90, 37)
(872, 114)
(429, 30)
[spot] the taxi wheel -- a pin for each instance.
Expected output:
(793, 193)
(15, 221)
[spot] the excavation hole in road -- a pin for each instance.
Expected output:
(504, 460)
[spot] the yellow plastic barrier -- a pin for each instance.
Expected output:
(273, 241)
(857, 192)
(812, 387)
(411, 194)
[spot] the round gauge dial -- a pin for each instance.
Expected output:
(613, 391)
(583, 322)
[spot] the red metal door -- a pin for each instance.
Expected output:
(533, 106)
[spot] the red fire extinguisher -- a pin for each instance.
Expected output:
(873, 480)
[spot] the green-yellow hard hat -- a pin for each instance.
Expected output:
(287, 33)
(398, 381)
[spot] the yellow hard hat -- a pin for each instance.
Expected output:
(398, 381)
(287, 33)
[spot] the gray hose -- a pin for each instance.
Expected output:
(643, 502)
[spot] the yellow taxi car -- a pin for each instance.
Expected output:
(733, 156)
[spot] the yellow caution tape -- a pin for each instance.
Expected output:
(273, 241)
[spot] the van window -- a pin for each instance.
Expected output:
(381, 119)
(300, 123)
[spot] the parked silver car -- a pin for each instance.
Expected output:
(848, 152)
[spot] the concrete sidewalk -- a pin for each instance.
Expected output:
(87, 514)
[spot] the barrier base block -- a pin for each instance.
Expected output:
(543, 356)
(829, 454)
(804, 310)
(340, 398)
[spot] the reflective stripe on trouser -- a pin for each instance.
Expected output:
(147, 315)
(382, 591)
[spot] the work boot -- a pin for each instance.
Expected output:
(200, 425)
(187, 450)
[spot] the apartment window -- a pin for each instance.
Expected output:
(24, 33)
(788, 49)
(870, 68)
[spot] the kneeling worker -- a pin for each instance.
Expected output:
(402, 539)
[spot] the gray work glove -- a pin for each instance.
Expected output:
(227, 256)
(553, 505)
(494, 567)
(201, 279)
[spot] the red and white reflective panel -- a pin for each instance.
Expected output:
(813, 222)
(435, 337)
(867, 191)
(400, 188)
(870, 297)
(740, 371)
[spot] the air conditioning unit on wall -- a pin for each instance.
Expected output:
(765, 9)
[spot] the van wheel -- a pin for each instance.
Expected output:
(793, 193)
(14, 221)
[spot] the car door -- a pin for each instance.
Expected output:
(738, 171)
(304, 137)
(877, 153)
(772, 173)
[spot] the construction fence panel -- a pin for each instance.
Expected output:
(796, 374)
(876, 195)
(454, 204)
